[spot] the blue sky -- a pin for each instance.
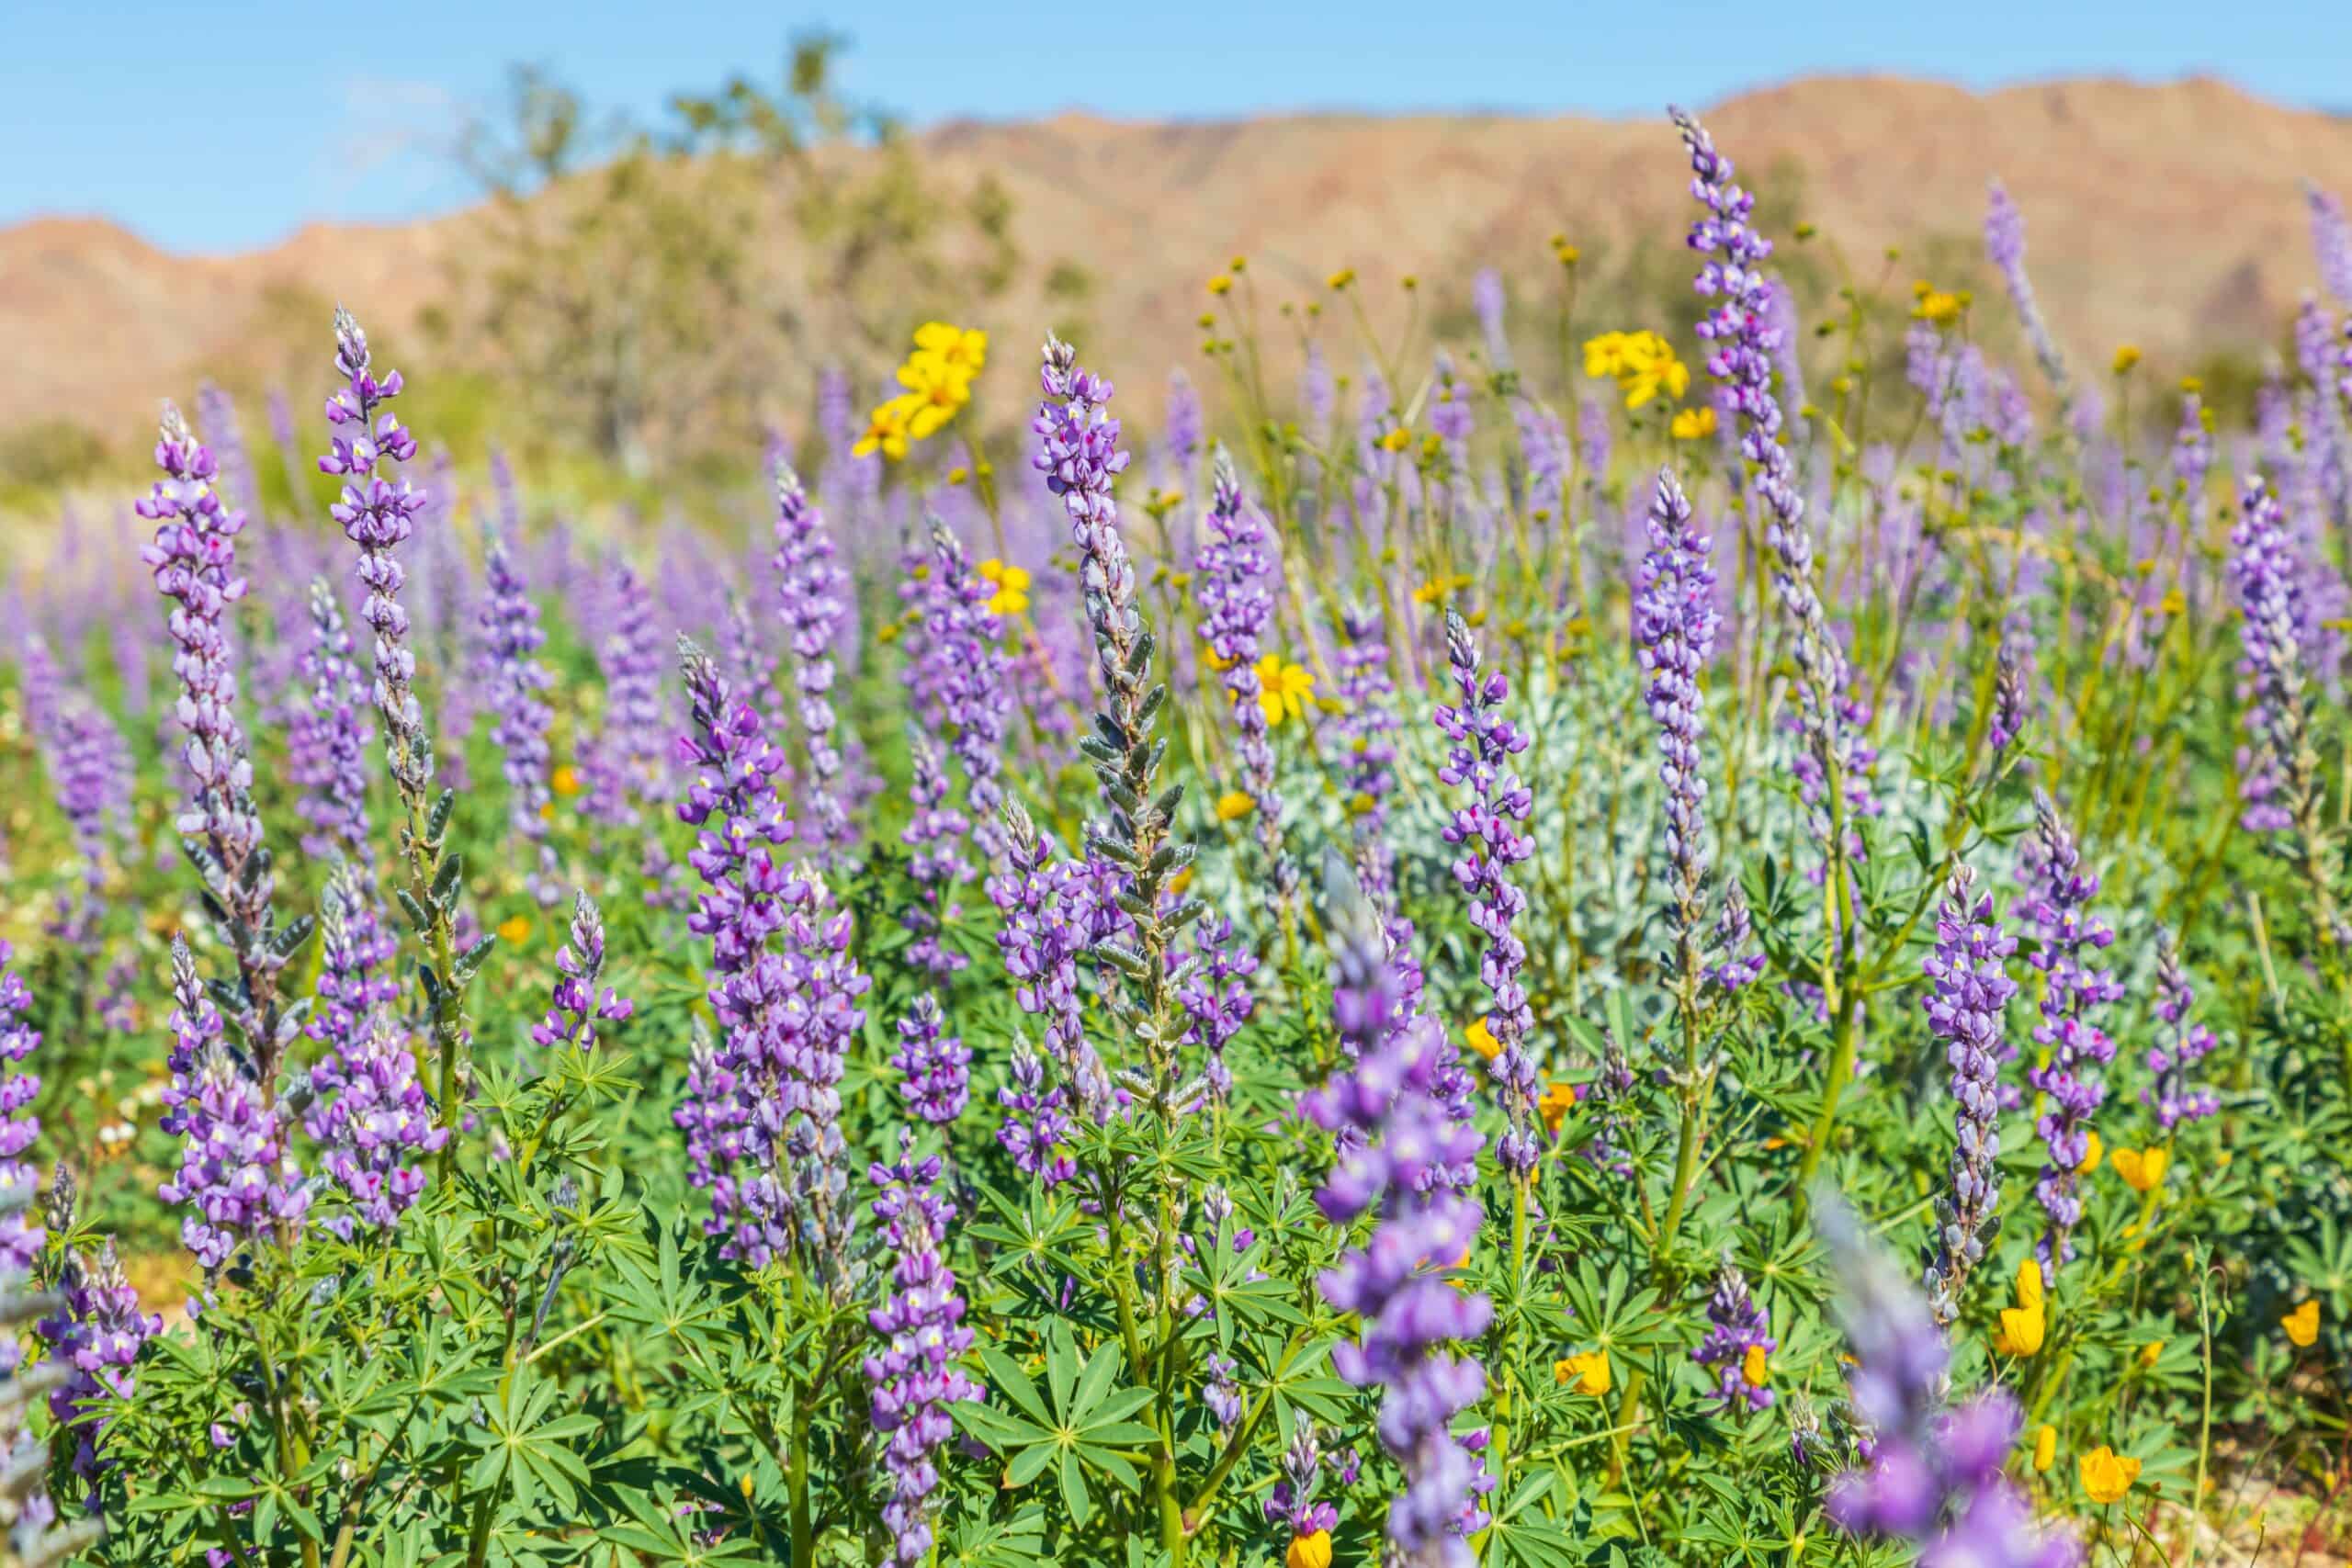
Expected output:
(221, 127)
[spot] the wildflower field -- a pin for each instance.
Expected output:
(1590, 943)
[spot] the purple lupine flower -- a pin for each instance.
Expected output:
(1735, 1326)
(2315, 355)
(1047, 906)
(809, 586)
(194, 557)
(2009, 702)
(1544, 447)
(42, 689)
(1675, 618)
(96, 1333)
(235, 1176)
(326, 745)
(2331, 241)
(377, 515)
(1740, 328)
(1734, 938)
(763, 1113)
(1367, 722)
(935, 1066)
(913, 1378)
(975, 698)
(576, 1008)
(1396, 1285)
(2078, 1048)
(371, 1117)
(1484, 743)
(1231, 574)
(1593, 438)
(1185, 424)
(1933, 1475)
(20, 1240)
(622, 768)
(1216, 996)
(1293, 1502)
(1486, 299)
(2005, 243)
(511, 638)
(1034, 1124)
(218, 414)
(2185, 1042)
(1964, 1009)
(1219, 1393)
(934, 836)
(92, 771)
(2281, 789)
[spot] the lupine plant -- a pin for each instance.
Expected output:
(975, 1060)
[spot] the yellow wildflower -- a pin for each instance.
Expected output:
(2108, 1475)
(1692, 424)
(1755, 1368)
(2141, 1169)
(1283, 689)
(1181, 881)
(1938, 306)
(513, 929)
(2126, 357)
(1396, 440)
(886, 430)
(2025, 1325)
(1482, 1039)
(2151, 1352)
(2045, 1447)
(1312, 1551)
(1589, 1370)
(2022, 1330)
(1342, 277)
(963, 348)
(1220, 285)
(2303, 1325)
(1012, 584)
(1557, 1100)
(2094, 1151)
(566, 780)
(1233, 804)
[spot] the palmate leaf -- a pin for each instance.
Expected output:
(525, 1444)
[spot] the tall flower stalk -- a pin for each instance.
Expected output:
(913, 1377)
(1481, 831)
(2282, 788)
(327, 740)
(975, 702)
(2005, 243)
(1965, 1008)
(2183, 1044)
(1738, 326)
(2078, 1049)
(622, 768)
(194, 557)
(1394, 1136)
(1368, 721)
(1079, 454)
(371, 1117)
(1237, 607)
(763, 1113)
(377, 514)
(809, 586)
(511, 638)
